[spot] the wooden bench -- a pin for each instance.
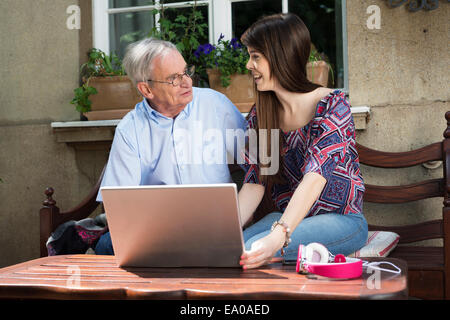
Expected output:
(428, 267)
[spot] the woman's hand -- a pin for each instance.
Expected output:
(263, 250)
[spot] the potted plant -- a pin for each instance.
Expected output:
(317, 69)
(185, 31)
(225, 67)
(106, 92)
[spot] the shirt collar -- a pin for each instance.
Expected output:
(187, 110)
(152, 113)
(157, 116)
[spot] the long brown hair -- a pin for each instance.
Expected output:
(285, 42)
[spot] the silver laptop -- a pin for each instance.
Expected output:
(174, 225)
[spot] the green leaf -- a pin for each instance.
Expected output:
(165, 24)
(172, 35)
(181, 18)
(91, 90)
(180, 46)
(78, 91)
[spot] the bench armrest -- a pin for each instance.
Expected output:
(50, 216)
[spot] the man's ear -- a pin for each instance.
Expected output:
(145, 90)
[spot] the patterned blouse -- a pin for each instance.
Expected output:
(326, 145)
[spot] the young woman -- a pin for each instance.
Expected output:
(318, 188)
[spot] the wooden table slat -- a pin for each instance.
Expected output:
(98, 277)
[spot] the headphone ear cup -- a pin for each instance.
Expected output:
(316, 253)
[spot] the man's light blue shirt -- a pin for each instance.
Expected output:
(152, 149)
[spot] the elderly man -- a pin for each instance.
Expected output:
(176, 134)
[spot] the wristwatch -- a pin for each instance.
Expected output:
(286, 230)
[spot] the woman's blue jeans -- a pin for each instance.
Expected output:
(343, 234)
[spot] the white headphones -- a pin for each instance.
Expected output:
(317, 253)
(314, 252)
(315, 258)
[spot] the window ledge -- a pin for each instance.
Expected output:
(84, 131)
(103, 130)
(85, 124)
(361, 115)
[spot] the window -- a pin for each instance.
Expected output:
(126, 21)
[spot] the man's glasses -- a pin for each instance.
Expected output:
(176, 79)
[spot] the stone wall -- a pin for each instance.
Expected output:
(401, 72)
(40, 61)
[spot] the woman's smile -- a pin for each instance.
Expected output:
(257, 78)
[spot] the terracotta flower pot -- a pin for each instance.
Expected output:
(115, 97)
(240, 91)
(317, 72)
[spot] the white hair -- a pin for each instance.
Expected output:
(140, 55)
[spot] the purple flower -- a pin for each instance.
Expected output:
(235, 44)
(203, 49)
(208, 48)
(220, 37)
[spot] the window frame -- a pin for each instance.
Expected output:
(219, 21)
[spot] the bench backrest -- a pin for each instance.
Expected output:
(433, 229)
(431, 188)
(405, 193)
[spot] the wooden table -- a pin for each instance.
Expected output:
(98, 277)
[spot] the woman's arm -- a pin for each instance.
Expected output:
(306, 194)
(249, 198)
